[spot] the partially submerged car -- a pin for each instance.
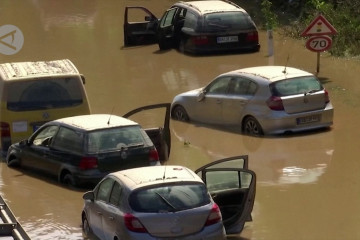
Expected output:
(195, 27)
(259, 100)
(172, 202)
(83, 149)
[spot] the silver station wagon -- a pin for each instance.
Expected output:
(259, 100)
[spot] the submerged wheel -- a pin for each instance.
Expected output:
(68, 180)
(86, 226)
(179, 113)
(252, 127)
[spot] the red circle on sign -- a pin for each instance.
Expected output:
(319, 43)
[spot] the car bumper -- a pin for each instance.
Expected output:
(213, 232)
(281, 122)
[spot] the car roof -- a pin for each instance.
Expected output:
(23, 70)
(95, 121)
(211, 6)
(272, 73)
(145, 176)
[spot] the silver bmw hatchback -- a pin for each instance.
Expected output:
(259, 100)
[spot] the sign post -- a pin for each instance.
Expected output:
(319, 41)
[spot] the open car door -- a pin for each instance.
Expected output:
(232, 186)
(159, 135)
(168, 30)
(140, 26)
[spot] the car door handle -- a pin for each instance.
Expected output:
(111, 218)
(99, 213)
(218, 101)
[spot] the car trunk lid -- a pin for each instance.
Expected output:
(310, 101)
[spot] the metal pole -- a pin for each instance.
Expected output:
(318, 63)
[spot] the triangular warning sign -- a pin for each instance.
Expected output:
(319, 26)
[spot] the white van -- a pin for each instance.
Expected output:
(32, 93)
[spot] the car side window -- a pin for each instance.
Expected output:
(69, 140)
(45, 136)
(168, 18)
(219, 86)
(115, 195)
(242, 86)
(104, 190)
(190, 20)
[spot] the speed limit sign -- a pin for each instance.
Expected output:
(319, 43)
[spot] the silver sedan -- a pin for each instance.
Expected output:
(259, 100)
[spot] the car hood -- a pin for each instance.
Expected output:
(191, 93)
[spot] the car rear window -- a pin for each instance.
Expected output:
(116, 138)
(43, 94)
(293, 86)
(169, 198)
(227, 21)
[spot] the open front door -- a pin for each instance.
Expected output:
(140, 26)
(159, 135)
(233, 187)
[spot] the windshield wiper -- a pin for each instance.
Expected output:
(132, 145)
(165, 201)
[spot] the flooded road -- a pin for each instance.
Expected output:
(308, 185)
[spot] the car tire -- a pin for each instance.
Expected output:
(179, 113)
(252, 127)
(68, 179)
(13, 162)
(86, 226)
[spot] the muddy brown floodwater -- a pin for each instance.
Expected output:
(308, 185)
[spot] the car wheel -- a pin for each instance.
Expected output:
(68, 180)
(179, 113)
(86, 226)
(252, 127)
(13, 162)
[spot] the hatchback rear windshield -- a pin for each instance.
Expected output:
(170, 198)
(293, 86)
(116, 138)
(227, 21)
(43, 94)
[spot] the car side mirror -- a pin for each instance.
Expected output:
(201, 95)
(24, 142)
(89, 196)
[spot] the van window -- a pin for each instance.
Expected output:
(43, 94)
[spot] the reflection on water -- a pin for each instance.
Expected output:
(276, 160)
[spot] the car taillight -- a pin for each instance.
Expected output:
(214, 216)
(327, 98)
(153, 156)
(133, 223)
(200, 40)
(88, 163)
(252, 37)
(5, 135)
(275, 103)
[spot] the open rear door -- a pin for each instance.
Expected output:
(159, 135)
(140, 26)
(232, 186)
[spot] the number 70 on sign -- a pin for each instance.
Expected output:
(319, 43)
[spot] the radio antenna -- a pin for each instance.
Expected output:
(112, 110)
(287, 62)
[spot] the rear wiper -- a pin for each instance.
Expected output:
(132, 145)
(165, 201)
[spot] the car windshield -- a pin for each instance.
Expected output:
(227, 21)
(116, 138)
(44, 93)
(169, 198)
(293, 86)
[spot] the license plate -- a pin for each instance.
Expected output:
(308, 119)
(227, 39)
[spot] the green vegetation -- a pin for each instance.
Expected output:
(295, 15)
